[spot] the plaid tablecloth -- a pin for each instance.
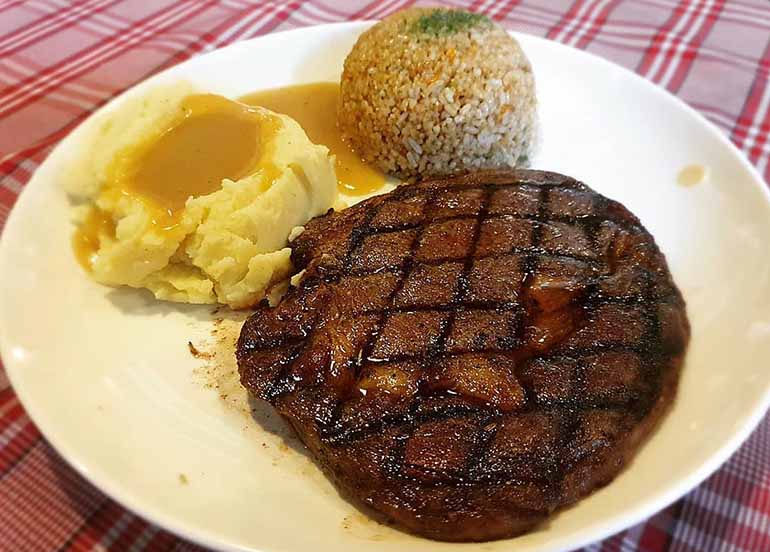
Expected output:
(60, 60)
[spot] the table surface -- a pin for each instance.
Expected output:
(61, 60)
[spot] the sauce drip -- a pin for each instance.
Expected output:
(314, 107)
(85, 241)
(691, 175)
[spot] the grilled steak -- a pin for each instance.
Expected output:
(466, 356)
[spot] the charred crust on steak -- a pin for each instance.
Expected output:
(466, 356)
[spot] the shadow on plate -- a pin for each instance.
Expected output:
(361, 522)
(140, 302)
(270, 421)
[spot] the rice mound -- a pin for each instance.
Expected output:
(431, 92)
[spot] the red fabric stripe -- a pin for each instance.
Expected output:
(597, 25)
(761, 140)
(12, 414)
(11, 4)
(12, 164)
(46, 18)
(117, 47)
(565, 20)
(751, 105)
(613, 543)
(129, 535)
(713, 523)
(654, 49)
(369, 7)
(503, 12)
(581, 21)
(281, 15)
(691, 52)
(55, 26)
(389, 7)
(476, 5)
(6, 396)
(19, 446)
(160, 542)
(747, 482)
(653, 538)
(677, 42)
(95, 527)
(760, 502)
(207, 38)
(108, 40)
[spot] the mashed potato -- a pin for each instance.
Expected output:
(156, 213)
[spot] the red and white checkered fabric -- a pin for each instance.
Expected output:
(60, 60)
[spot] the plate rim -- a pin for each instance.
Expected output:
(582, 537)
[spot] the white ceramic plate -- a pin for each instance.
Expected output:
(107, 377)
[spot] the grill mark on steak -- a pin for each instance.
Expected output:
(467, 356)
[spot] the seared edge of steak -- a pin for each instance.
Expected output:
(467, 355)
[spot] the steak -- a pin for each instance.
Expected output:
(466, 356)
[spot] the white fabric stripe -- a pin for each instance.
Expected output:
(619, 34)
(319, 13)
(617, 38)
(102, 23)
(131, 37)
(92, 96)
(752, 13)
(735, 514)
(10, 182)
(662, 54)
(533, 17)
(242, 22)
(376, 11)
(307, 20)
(49, 24)
(235, 4)
(630, 541)
(573, 22)
(143, 538)
(677, 56)
(716, 503)
(759, 523)
(684, 533)
(758, 119)
(592, 20)
(748, 457)
(729, 13)
(721, 496)
(12, 431)
(173, 43)
(487, 7)
(45, 7)
(114, 532)
(268, 12)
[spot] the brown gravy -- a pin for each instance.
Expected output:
(189, 158)
(314, 107)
